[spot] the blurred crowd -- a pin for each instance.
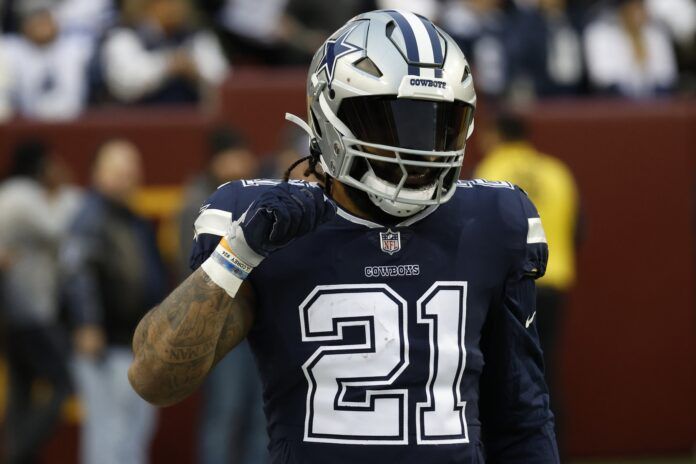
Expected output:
(79, 268)
(59, 57)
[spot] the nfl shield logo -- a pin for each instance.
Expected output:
(390, 241)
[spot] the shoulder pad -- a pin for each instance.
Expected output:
(536, 251)
(522, 232)
(485, 183)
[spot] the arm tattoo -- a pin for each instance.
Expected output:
(177, 343)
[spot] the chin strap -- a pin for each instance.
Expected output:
(394, 207)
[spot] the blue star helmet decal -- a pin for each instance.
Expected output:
(335, 49)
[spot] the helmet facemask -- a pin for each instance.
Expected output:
(406, 154)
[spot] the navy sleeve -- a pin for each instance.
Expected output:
(517, 424)
(212, 222)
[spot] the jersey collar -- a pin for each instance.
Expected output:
(373, 225)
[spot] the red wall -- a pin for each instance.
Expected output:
(172, 140)
(630, 351)
(630, 347)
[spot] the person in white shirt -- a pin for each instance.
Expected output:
(36, 207)
(629, 55)
(480, 27)
(679, 16)
(86, 17)
(162, 58)
(258, 21)
(47, 70)
(428, 8)
(5, 107)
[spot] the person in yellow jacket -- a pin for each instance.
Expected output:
(551, 186)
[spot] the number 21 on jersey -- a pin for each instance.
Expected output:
(381, 415)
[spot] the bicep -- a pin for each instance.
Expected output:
(238, 322)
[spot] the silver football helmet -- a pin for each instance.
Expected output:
(391, 103)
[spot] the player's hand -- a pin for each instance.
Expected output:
(282, 214)
(276, 218)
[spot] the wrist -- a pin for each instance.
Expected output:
(237, 243)
(232, 261)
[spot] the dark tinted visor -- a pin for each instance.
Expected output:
(407, 123)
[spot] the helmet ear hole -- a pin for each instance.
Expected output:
(467, 73)
(367, 65)
(391, 26)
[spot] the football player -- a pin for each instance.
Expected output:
(390, 307)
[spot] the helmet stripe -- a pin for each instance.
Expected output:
(409, 39)
(425, 49)
(437, 46)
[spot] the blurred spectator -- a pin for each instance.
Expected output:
(86, 17)
(162, 58)
(629, 55)
(545, 51)
(4, 13)
(308, 23)
(679, 16)
(5, 104)
(10, 15)
(250, 30)
(48, 69)
(551, 186)
(277, 32)
(294, 147)
(232, 426)
(35, 209)
(90, 17)
(479, 27)
(113, 276)
(428, 8)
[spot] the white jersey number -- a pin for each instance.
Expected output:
(351, 396)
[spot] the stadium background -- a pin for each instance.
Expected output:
(628, 357)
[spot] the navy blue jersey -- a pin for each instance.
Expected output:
(409, 344)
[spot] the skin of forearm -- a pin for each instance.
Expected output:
(177, 343)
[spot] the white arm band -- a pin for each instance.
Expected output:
(232, 261)
(226, 269)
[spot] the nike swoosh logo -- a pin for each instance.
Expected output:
(530, 319)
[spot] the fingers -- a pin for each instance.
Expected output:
(285, 212)
(304, 200)
(304, 206)
(258, 224)
(281, 225)
(320, 209)
(290, 215)
(324, 208)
